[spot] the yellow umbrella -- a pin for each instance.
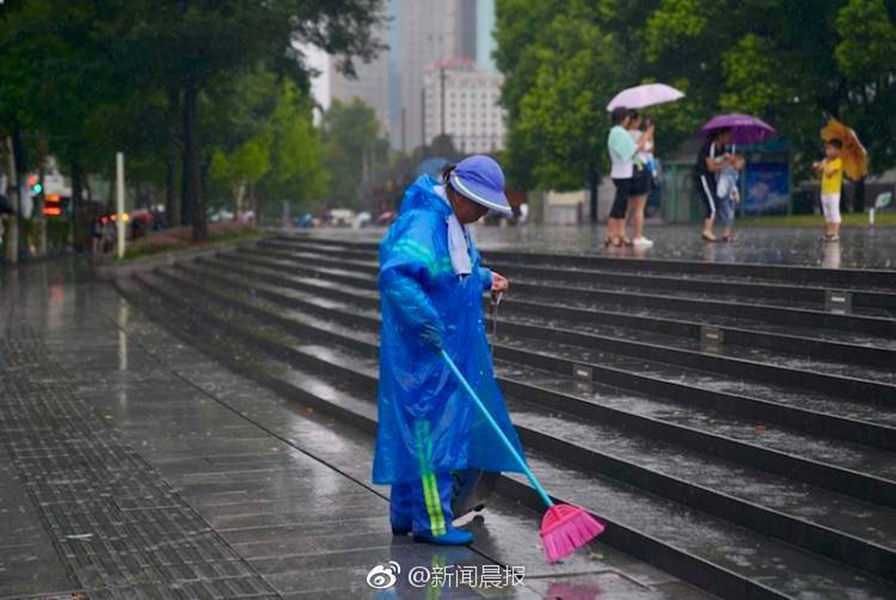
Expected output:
(853, 153)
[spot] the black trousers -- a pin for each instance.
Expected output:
(620, 201)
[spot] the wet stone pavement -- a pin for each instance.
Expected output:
(133, 465)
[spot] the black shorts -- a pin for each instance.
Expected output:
(640, 182)
(620, 201)
(706, 189)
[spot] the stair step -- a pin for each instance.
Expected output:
(706, 290)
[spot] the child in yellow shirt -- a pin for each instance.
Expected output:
(831, 170)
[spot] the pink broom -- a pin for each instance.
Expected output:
(564, 527)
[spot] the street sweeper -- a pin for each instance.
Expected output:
(440, 408)
(431, 284)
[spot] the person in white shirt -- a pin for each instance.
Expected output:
(641, 180)
(623, 151)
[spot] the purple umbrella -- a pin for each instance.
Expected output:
(745, 129)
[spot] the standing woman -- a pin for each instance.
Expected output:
(623, 150)
(431, 287)
(640, 187)
(710, 160)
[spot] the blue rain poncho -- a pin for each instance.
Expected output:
(427, 422)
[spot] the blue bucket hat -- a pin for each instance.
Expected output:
(481, 179)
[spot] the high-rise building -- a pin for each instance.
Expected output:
(460, 29)
(371, 84)
(485, 35)
(420, 34)
(423, 34)
(462, 103)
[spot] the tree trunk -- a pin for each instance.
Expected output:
(21, 166)
(193, 196)
(172, 201)
(593, 180)
(253, 203)
(40, 221)
(186, 198)
(172, 204)
(77, 206)
(11, 229)
(859, 197)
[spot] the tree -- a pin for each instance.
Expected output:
(297, 175)
(352, 149)
(790, 63)
(192, 44)
(562, 66)
(243, 168)
(269, 148)
(866, 57)
(51, 80)
(67, 65)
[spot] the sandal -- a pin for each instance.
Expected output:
(729, 238)
(625, 241)
(708, 238)
(616, 241)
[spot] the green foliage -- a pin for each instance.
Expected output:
(271, 148)
(675, 23)
(562, 119)
(243, 167)
(790, 63)
(148, 78)
(297, 172)
(751, 78)
(351, 147)
(868, 40)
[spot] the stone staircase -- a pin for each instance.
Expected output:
(732, 424)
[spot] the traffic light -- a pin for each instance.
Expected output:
(34, 185)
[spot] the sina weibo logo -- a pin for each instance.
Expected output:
(383, 577)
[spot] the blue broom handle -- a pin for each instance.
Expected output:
(463, 381)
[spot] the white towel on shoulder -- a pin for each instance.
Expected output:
(458, 244)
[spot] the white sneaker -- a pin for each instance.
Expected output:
(642, 242)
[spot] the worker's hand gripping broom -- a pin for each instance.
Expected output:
(564, 527)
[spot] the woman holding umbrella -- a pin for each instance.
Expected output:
(641, 180)
(710, 160)
(623, 155)
(720, 131)
(627, 154)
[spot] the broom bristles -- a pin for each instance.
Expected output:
(566, 528)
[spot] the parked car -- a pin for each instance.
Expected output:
(363, 219)
(385, 218)
(341, 217)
